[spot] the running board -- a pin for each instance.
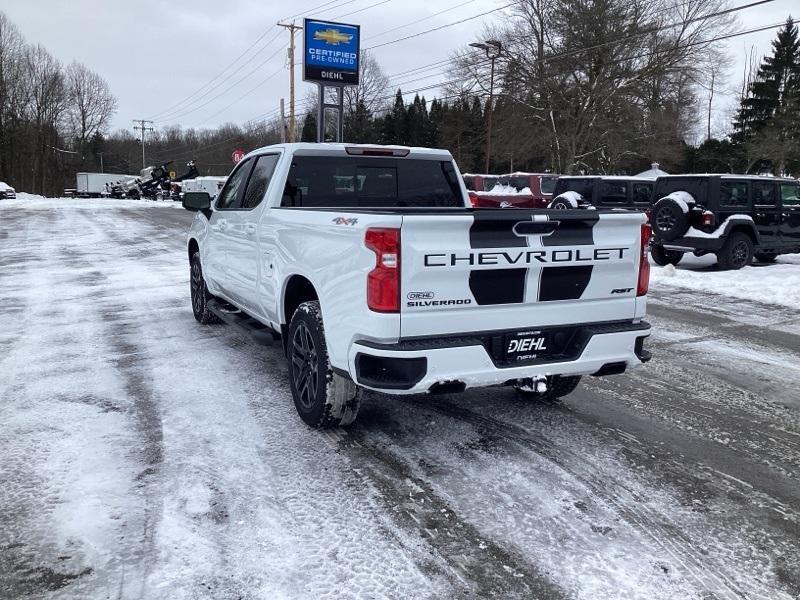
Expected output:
(262, 334)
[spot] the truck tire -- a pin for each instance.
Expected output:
(563, 203)
(323, 399)
(200, 294)
(737, 252)
(766, 257)
(663, 257)
(668, 220)
(558, 386)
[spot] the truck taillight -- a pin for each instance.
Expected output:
(383, 282)
(708, 218)
(644, 262)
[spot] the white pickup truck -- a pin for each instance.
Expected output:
(371, 267)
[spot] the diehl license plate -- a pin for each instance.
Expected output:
(527, 345)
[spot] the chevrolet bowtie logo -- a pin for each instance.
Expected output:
(331, 36)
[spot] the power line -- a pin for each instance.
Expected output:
(222, 72)
(436, 14)
(440, 27)
(189, 111)
(361, 9)
(171, 114)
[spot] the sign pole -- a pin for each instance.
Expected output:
(321, 114)
(340, 124)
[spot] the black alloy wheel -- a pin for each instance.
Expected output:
(197, 287)
(740, 254)
(665, 219)
(737, 251)
(199, 293)
(305, 366)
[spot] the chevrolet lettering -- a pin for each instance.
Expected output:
(526, 257)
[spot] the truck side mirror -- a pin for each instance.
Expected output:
(195, 201)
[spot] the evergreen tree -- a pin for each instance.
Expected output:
(359, 126)
(395, 124)
(777, 80)
(309, 131)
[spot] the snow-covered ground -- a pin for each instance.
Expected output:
(777, 283)
(143, 455)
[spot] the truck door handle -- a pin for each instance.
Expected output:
(249, 228)
(535, 227)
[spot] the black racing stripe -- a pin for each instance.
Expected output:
(564, 283)
(577, 232)
(499, 286)
(493, 229)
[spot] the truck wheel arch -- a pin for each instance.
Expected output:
(298, 289)
(746, 227)
(194, 247)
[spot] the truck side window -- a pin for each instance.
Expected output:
(548, 184)
(732, 193)
(613, 192)
(790, 194)
(642, 193)
(764, 194)
(259, 180)
(230, 198)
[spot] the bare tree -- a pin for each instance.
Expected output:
(372, 88)
(603, 82)
(91, 103)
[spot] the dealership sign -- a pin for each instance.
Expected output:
(330, 52)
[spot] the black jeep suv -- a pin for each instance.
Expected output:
(599, 191)
(735, 217)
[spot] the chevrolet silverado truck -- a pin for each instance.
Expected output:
(371, 269)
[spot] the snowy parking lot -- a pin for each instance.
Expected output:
(143, 455)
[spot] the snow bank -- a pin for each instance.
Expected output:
(778, 283)
(34, 202)
(27, 196)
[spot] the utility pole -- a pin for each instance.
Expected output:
(493, 50)
(143, 127)
(292, 28)
(283, 123)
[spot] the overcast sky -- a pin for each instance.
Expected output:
(155, 53)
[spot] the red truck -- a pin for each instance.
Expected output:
(512, 190)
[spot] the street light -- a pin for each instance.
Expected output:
(493, 49)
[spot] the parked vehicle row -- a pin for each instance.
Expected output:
(738, 218)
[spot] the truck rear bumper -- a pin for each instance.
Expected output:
(456, 363)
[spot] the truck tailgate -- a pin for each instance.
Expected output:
(490, 270)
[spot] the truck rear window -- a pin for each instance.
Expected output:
(368, 182)
(582, 186)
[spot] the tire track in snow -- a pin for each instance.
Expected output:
(476, 562)
(626, 502)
